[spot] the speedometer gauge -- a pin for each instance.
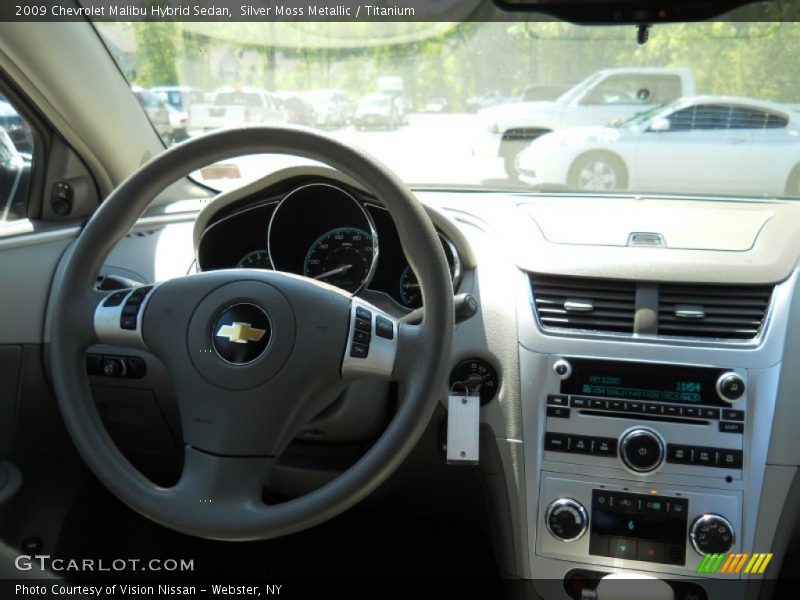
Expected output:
(257, 259)
(341, 257)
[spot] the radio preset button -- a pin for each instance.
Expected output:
(634, 407)
(641, 450)
(653, 409)
(595, 403)
(616, 405)
(709, 413)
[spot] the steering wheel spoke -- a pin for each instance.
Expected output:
(372, 340)
(119, 315)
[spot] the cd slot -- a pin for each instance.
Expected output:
(643, 417)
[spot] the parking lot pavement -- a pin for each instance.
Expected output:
(430, 149)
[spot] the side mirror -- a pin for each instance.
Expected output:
(659, 124)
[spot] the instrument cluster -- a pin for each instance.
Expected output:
(324, 231)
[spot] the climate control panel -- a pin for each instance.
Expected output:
(665, 529)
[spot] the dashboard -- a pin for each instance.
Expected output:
(644, 414)
(321, 229)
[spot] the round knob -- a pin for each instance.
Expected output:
(566, 519)
(730, 387)
(711, 533)
(562, 369)
(641, 450)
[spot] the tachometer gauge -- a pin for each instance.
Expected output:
(341, 257)
(257, 259)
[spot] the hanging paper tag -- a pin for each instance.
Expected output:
(463, 422)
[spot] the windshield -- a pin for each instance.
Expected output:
(734, 134)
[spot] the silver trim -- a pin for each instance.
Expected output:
(635, 433)
(106, 322)
(578, 305)
(572, 504)
(721, 380)
(372, 231)
(702, 519)
(379, 361)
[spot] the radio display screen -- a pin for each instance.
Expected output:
(644, 382)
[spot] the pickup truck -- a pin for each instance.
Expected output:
(603, 97)
(233, 107)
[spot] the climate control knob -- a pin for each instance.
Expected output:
(711, 534)
(641, 450)
(566, 519)
(730, 386)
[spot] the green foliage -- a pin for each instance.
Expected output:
(156, 53)
(459, 60)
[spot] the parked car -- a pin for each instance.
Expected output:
(537, 92)
(156, 110)
(298, 109)
(619, 93)
(377, 110)
(16, 127)
(237, 106)
(333, 107)
(436, 105)
(707, 144)
(178, 123)
(181, 97)
(15, 171)
(487, 99)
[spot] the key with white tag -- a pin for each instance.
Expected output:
(463, 425)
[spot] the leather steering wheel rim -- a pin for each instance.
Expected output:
(216, 497)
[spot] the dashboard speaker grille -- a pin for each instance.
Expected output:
(578, 303)
(706, 311)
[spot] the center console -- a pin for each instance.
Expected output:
(669, 441)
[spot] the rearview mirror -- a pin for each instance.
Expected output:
(659, 124)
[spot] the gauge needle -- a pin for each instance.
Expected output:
(335, 271)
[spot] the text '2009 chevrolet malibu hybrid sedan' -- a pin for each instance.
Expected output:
(283, 311)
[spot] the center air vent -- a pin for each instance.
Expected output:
(706, 311)
(579, 303)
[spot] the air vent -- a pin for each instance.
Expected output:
(706, 311)
(584, 304)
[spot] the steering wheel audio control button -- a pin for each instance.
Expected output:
(116, 298)
(384, 328)
(359, 350)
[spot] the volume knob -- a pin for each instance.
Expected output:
(641, 450)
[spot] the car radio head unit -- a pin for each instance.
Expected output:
(644, 382)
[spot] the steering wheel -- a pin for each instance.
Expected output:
(253, 355)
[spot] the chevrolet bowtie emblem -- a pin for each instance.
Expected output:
(241, 333)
